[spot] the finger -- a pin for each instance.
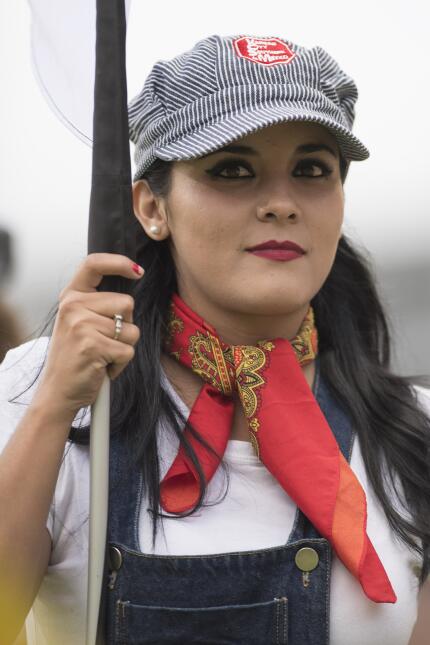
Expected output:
(96, 265)
(106, 303)
(115, 369)
(116, 356)
(128, 334)
(84, 322)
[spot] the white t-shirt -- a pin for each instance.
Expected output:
(256, 513)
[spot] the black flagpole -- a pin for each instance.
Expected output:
(111, 210)
(110, 230)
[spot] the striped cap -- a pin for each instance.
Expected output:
(226, 87)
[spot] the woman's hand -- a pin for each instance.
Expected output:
(82, 348)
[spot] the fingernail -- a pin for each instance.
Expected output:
(138, 269)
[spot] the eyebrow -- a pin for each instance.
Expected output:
(247, 150)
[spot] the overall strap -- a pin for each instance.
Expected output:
(125, 494)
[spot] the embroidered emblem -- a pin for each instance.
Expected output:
(266, 51)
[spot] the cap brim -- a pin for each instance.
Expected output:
(216, 135)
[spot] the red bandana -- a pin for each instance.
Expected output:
(287, 428)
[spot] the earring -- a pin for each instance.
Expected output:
(154, 229)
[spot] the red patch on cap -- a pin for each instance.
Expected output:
(266, 51)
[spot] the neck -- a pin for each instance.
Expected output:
(239, 328)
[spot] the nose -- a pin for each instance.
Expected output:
(280, 203)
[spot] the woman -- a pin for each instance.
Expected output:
(255, 419)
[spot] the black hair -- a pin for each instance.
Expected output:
(354, 352)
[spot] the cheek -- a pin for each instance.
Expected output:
(325, 230)
(327, 218)
(201, 220)
(203, 236)
(326, 233)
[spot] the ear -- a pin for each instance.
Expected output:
(149, 210)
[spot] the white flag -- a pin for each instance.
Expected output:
(63, 38)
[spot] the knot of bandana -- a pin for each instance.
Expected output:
(233, 367)
(288, 431)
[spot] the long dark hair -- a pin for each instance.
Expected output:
(354, 352)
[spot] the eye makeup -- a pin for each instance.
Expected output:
(231, 164)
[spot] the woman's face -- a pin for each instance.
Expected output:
(222, 204)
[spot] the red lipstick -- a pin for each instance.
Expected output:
(280, 251)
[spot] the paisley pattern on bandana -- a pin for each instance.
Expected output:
(240, 367)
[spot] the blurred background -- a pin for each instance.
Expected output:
(45, 171)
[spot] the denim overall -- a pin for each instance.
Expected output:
(249, 597)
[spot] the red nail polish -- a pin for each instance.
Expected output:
(137, 269)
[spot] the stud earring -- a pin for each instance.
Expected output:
(154, 229)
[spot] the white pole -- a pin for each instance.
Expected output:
(99, 489)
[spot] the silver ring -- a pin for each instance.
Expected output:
(118, 325)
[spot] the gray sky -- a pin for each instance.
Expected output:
(45, 170)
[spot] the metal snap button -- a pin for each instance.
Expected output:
(115, 558)
(306, 559)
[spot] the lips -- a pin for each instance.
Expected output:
(286, 245)
(278, 251)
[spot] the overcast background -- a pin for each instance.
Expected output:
(45, 170)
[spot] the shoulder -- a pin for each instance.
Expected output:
(19, 378)
(19, 373)
(21, 364)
